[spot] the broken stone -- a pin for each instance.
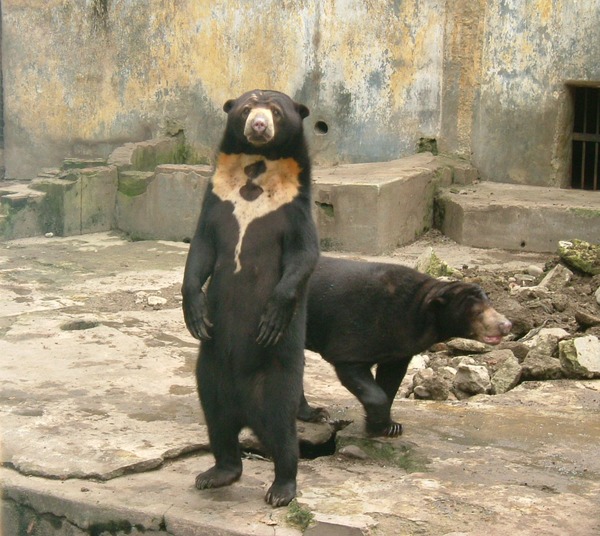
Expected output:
(580, 255)
(586, 320)
(462, 360)
(519, 349)
(429, 263)
(419, 362)
(467, 346)
(557, 278)
(494, 359)
(433, 385)
(354, 452)
(540, 363)
(525, 280)
(472, 380)
(534, 270)
(597, 295)
(406, 387)
(580, 357)
(507, 376)
(540, 336)
(156, 301)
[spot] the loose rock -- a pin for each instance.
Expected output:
(580, 255)
(557, 278)
(540, 363)
(467, 346)
(507, 376)
(541, 336)
(580, 357)
(472, 380)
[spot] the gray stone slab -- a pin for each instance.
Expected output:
(96, 383)
(516, 217)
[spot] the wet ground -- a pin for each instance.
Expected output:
(102, 432)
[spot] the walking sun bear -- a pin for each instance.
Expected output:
(257, 242)
(362, 314)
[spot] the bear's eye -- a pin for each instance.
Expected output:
(276, 113)
(245, 111)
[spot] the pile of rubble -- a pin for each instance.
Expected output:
(538, 349)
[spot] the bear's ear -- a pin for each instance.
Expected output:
(228, 105)
(436, 301)
(302, 110)
(436, 298)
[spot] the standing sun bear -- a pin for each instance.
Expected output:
(257, 242)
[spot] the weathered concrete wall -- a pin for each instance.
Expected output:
(84, 77)
(486, 78)
(523, 115)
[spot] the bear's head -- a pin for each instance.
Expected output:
(263, 120)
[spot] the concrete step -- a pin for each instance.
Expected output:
(375, 207)
(515, 217)
(20, 207)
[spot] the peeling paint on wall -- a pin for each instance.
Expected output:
(486, 78)
(86, 76)
(531, 50)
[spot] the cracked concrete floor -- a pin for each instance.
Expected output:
(102, 432)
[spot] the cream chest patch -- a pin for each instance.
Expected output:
(255, 186)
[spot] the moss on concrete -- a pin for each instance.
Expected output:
(585, 212)
(394, 453)
(299, 516)
(580, 255)
(134, 183)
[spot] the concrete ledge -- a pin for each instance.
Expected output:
(373, 208)
(19, 210)
(79, 201)
(161, 205)
(529, 218)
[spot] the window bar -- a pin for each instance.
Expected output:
(582, 178)
(596, 166)
(597, 160)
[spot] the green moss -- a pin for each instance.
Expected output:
(298, 516)
(133, 183)
(585, 212)
(580, 255)
(182, 154)
(397, 454)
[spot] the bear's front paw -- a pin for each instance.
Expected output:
(274, 321)
(195, 313)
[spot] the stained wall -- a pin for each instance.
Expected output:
(487, 79)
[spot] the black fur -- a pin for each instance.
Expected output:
(251, 321)
(362, 313)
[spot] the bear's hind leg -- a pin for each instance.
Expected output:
(276, 430)
(357, 378)
(228, 460)
(307, 413)
(223, 432)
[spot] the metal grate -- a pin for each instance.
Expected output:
(585, 170)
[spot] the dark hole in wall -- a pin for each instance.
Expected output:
(585, 159)
(321, 128)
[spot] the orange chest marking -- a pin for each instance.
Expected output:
(255, 186)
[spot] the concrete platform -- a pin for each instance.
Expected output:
(527, 218)
(102, 433)
(369, 208)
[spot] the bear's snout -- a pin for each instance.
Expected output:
(259, 124)
(259, 128)
(492, 326)
(505, 325)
